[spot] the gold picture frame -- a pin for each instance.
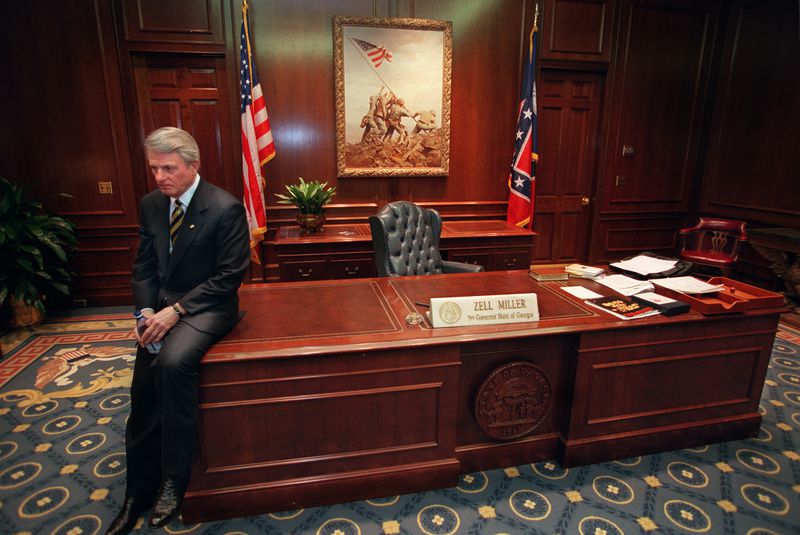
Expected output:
(392, 79)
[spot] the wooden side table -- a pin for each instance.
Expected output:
(781, 247)
(345, 251)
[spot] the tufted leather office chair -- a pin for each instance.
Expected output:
(714, 243)
(405, 238)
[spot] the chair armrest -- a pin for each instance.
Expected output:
(689, 230)
(460, 267)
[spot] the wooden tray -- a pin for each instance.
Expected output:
(734, 297)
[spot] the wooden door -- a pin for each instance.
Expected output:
(658, 97)
(568, 105)
(189, 92)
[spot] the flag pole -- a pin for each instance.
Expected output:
(247, 40)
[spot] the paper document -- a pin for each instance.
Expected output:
(688, 285)
(626, 285)
(580, 292)
(645, 265)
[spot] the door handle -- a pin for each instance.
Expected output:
(585, 201)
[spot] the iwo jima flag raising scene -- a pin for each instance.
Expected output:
(393, 98)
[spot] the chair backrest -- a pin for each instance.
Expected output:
(721, 238)
(405, 239)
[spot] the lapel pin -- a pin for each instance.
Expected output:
(191, 226)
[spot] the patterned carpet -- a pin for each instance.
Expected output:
(64, 402)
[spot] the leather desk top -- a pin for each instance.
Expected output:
(295, 319)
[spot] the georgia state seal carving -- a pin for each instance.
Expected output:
(512, 401)
(450, 312)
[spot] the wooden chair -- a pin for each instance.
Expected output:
(714, 243)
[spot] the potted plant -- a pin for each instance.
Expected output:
(310, 199)
(33, 255)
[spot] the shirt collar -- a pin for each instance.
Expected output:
(186, 196)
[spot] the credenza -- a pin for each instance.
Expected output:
(344, 251)
(325, 393)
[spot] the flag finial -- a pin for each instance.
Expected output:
(535, 18)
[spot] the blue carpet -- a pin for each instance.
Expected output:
(64, 401)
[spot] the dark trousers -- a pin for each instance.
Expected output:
(162, 432)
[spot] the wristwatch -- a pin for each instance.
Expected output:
(177, 310)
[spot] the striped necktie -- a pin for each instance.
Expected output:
(175, 221)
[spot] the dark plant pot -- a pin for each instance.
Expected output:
(310, 223)
(23, 314)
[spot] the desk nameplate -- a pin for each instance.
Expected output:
(483, 310)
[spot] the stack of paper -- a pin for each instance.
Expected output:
(626, 285)
(645, 265)
(688, 285)
(586, 272)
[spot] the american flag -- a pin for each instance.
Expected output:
(376, 54)
(257, 145)
(522, 179)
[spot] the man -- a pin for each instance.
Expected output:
(193, 253)
(397, 110)
(426, 121)
(373, 122)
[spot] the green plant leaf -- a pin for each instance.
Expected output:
(310, 197)
(62, 288)
(25, 265)
(35, 253)
(34, 248)
(56, 248)
(44, 275)
(63, 274)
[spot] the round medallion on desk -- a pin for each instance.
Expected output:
(512, 401)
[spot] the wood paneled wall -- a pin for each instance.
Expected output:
(704, 91)
(64, 131)
(753, 167)
(294, 54)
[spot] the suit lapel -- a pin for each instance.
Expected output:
(162, 233)
(192, 224)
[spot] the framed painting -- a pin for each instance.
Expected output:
(392, 96)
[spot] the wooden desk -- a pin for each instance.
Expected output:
(323, 393)
(345, 251)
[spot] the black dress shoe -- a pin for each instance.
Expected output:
(168, 502)
(127, 517)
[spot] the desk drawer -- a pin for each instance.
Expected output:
(308, 270)
(481, 258)
(355, 268)
(502, 261)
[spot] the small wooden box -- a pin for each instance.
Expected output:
(734, 297)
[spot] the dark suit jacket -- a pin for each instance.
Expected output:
(207, 264)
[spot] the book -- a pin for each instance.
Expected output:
(624, 307)
(548, 273)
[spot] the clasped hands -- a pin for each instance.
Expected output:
(157, 324)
